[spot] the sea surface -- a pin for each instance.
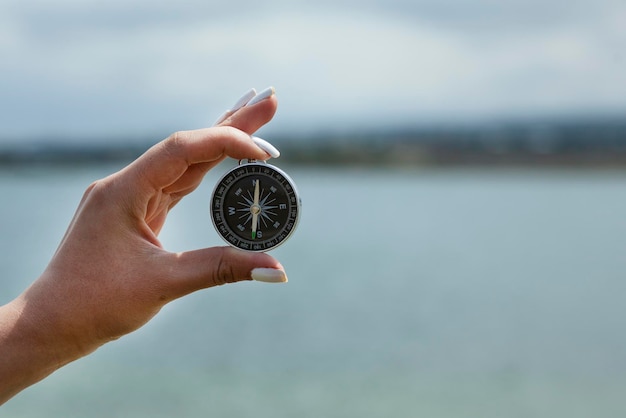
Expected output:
(412, 293)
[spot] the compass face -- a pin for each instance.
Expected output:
(255, 207)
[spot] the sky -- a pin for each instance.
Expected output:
(82, 70)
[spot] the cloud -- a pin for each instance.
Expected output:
(92, 68)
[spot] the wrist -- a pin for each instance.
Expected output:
(34, 343)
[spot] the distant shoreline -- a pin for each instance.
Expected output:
(600, 143)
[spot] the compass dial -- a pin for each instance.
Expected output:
(255, 206)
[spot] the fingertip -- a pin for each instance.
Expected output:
(262, 95)
(252, 117)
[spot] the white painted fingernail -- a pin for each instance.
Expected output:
(265, 94)
(241, 102)
(271, 150)
(268, 275)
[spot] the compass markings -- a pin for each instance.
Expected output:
(240, 212)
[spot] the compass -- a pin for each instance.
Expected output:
(255, 206)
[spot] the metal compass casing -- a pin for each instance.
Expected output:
(255, 206)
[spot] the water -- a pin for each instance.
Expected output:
(438, 293)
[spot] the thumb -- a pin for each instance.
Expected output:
(199, 269)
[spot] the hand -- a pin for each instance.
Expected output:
(110, 274)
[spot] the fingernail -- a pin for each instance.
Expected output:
(268, 275)
(271, 150)
(241, 102)
(265, 94)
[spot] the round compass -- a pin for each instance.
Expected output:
(255, 206)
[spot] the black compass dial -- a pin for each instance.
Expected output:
(255, 207)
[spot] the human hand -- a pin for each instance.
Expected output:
(110, 274)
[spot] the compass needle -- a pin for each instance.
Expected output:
(255, 209)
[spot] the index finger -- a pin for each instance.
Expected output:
(165, 163)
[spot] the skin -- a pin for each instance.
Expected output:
(110, 274)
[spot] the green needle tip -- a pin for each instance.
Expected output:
(253, 235)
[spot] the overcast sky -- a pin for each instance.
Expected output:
(127, 68)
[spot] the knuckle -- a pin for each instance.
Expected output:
(174, 142)
(225, 270)
(105, 195)
(96, 191)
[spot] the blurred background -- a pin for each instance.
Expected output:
(461, 164)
